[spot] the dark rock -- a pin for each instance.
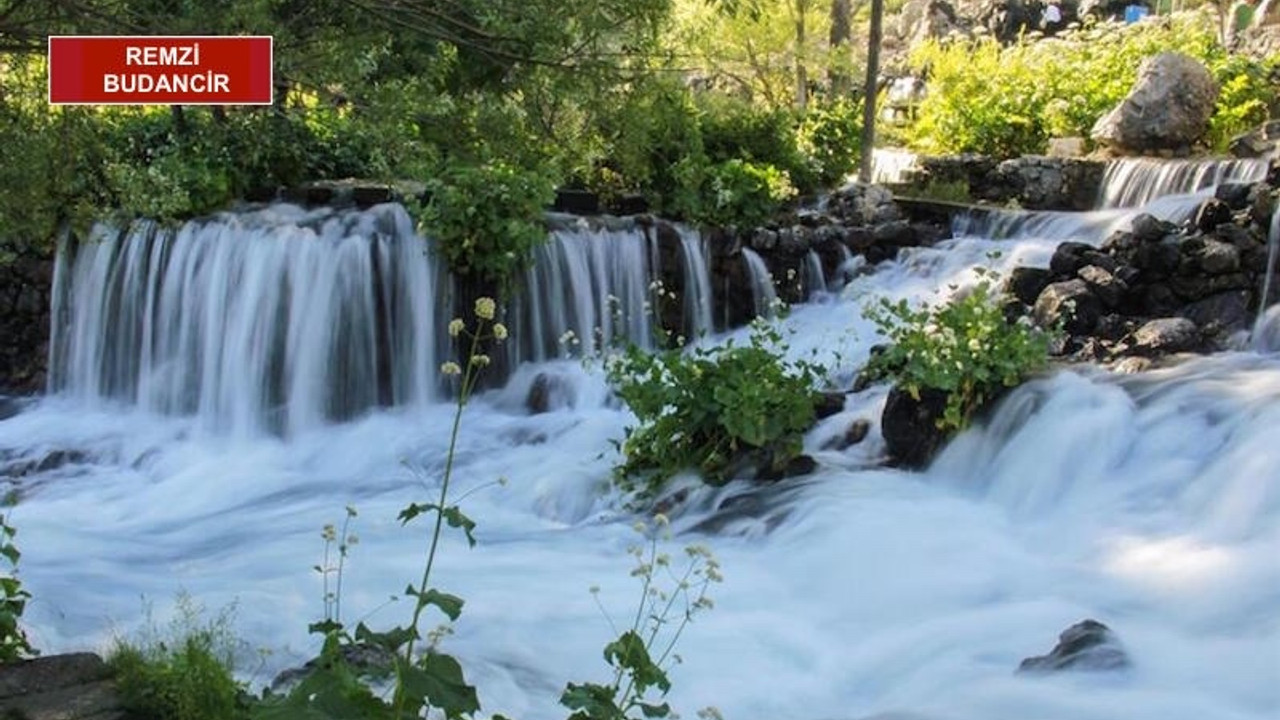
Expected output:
(1148, 228)
(548, 392)
(829, 403)
(1159, 300)
(1157, 259)
(910, 426)
(1121, 242)
(1218, 258)
(1198, 287)
(1259, 142)
(854, 434)
(1127, 274)
(1212, 213)
(59, 687)
(577, 202)
(1068, 258)
(1222, 313)
(1026, 283)
(1109, 289)
(1087, 645)
(370, 195)
(630, 204)
(1166, 335)
(1235, 195)
(361, 657)
(896, 233)
(1071, 303)
(10, 406)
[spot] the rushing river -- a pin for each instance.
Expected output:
(1149, 502)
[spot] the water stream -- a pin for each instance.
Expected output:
(1149, 502)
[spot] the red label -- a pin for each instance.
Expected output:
(160, 70)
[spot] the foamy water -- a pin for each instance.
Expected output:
(1150, 503)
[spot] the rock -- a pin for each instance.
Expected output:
(1235, 195)
(1071, 303)
(1130, 365)
(548, 392)
(1166, 335)
(1168, 108)
(59, 687)
(1026, 283)
(1157, 259)
(1212, 213)
(1218, 258)
(1222, 313)
(829, 403)
(854, 434)
(1067, 147)
(1149, 229)
(910, 426)
(1068, 258)
(1109, 289)
(1259, 142)
(1087, 645)
(360, 657)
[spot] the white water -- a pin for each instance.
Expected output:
(763, 295)
(1130, 182)
(1151, 503)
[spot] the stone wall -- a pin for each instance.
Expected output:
(25, 291)
(1033, 182)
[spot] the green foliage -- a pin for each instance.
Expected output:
(830, 136)
(744, 193)
(965, 348)
(14, 645)
(1007, 101)
(700, 409)
(486, 219)
(642, 653)
(182, 674)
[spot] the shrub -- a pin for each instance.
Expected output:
(830, 136)
(965, 348)
(701, 409)
(14, 645)
(486, 219)
(1006, 101)
(184, 674)
(744, 193)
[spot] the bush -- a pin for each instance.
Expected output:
(830, 136)
(186, 674)
(486, 219)
(702, 409)
(14, 645)
(1007, 101)
(744, 193)
(965, 348)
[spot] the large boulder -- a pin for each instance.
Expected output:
(910, 426)
(1167, 109)
(1087, 645)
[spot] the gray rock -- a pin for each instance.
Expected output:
(1109, 289)
(59, 687)
(1087, 645)
(1166, 335)
(1224, 312)
(1168, 108)
(1026, 283)
(1218, 258)
(1071, 303)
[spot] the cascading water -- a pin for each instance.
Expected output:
(814, 280)
(1148, 502)
(698, 307)
(1263, 330)
(279, 318)
(1131, 182)
(763, 295)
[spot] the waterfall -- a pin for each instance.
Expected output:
(814, 279)
(1264, 330)
(697, 284)
(892, 165)
(277, 319)
(587, 289)
(1130, 182)
(763, 295)
(280, 319)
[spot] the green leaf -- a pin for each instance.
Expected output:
(437, 679)
(454, 516)
(450, 605)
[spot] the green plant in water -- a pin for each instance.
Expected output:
(421, 682)
(645, 650)
(965, 348)
(700, 409)
(14, 644)
(182, 673)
